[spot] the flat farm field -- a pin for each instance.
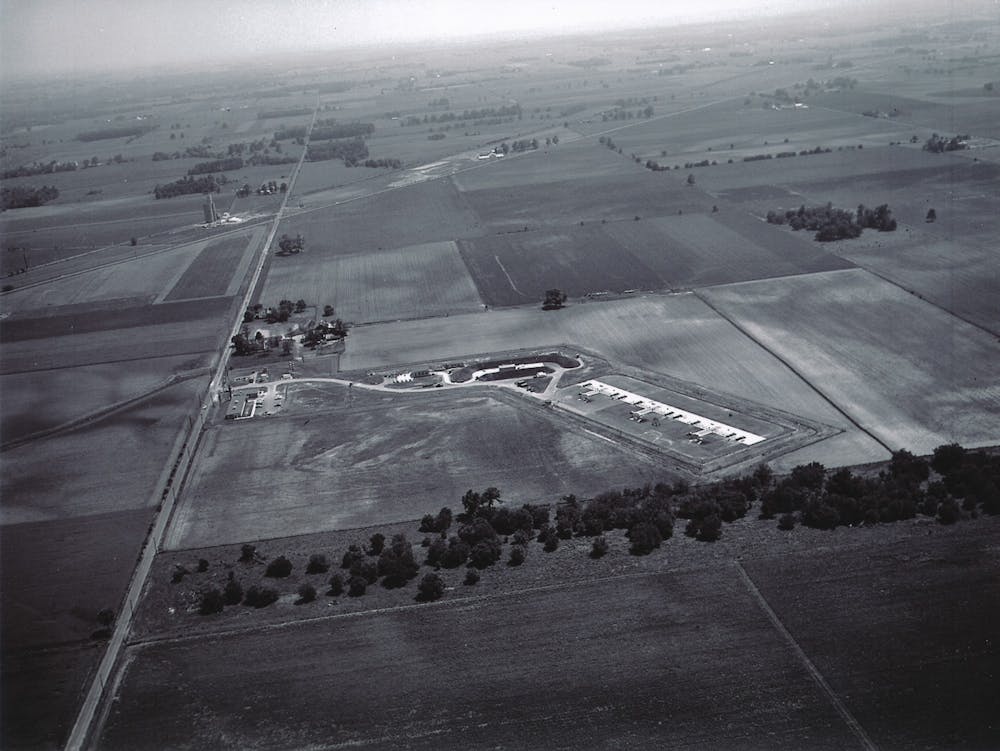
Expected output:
(275, 477)
(410, 282)
(32, 400)
(694, 250)
(431, 211)
(627, 191)
(907, 371)
(213, 271)
(71, 476)
(903, 633)
(514, 269)
(138, 281)
(685, 660)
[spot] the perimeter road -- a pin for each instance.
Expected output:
(105, 674)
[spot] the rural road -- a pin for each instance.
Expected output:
(106, 672)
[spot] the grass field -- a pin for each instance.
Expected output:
(332, 476)
(610, 664)
(211, 272)
(902, 633)
(908, 372)
(409, 282)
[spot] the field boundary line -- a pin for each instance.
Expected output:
(413, 605)
(106, 411)
(507, 274)
(817, 676)
(795, 370)
(930, 302)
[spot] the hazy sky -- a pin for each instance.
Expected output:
(56, 35)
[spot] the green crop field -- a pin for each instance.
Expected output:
(333, 474)
(409, 282)
(905, 370)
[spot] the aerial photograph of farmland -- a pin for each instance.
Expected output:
(441, 374)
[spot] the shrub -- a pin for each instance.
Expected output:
(600, 547)
(645, 538)
(431, 588)
(357, 586)
(485, 553)
(179, 573)
(212, 601)
(711, 528)
(307, 593)
(539, 514)
(233, 592)
(786, 522)
(353, 554)
(551, 542)
(376, 544)
(471, 577)
(260, 597)
(367, 570)
(436, 552)
(457, 553)
(202, 565)
(336, 585)
(317, 564)
(397, 564)
(248, 554)
(949, 512)
(279, 568)
(516, 556)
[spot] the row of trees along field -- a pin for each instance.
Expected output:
(835, 224)
(953, 483)
(190, 184)
(24, 196)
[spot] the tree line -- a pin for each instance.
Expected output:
(121, 131)
(188, 185)
(954, 483)
(25, 196)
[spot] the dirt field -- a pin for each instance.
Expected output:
(661, 674)
(332, 476)
(410, 282)
(902, 634)
(908, 372)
